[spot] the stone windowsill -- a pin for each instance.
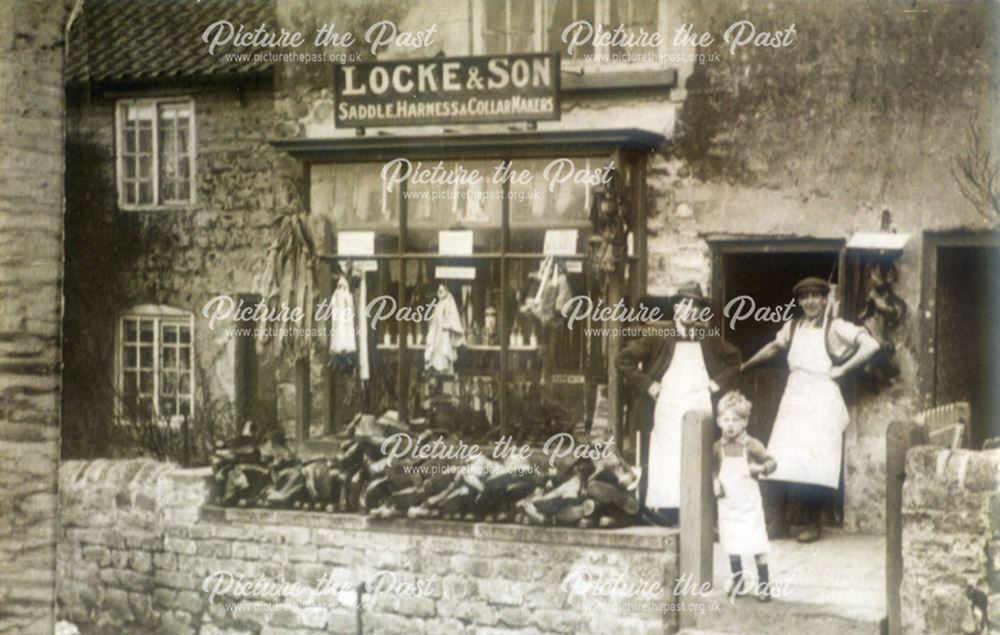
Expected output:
(635, 538)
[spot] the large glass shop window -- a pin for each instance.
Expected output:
(504, 296)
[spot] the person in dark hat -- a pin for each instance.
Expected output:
(677, 369)
(807, 439)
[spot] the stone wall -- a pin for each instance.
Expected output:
(134, 550)
(951, 541)
(31, 227)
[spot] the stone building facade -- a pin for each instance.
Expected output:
(31, 226)
(776, 159)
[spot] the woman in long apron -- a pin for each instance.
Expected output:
(807, 439)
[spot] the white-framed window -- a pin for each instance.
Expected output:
(156, 152)
(522, 26)
(155, 363)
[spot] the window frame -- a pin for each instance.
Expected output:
(121, 114)
(160, 315)
(602, 12)
(631, 163)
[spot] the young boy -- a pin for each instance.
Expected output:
(739, 461)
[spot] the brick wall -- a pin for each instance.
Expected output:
(134, 550)
(951, 540)
(31, 226)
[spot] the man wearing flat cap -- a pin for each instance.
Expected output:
(675, 371)
(807, 439)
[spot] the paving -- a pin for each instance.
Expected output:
(834, 586)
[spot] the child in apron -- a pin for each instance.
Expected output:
(739, 460)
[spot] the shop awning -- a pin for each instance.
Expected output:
(375, 147)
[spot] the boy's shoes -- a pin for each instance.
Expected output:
(764, 594)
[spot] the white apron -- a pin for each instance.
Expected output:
(742, 530)
(808, 436)
(683, 387)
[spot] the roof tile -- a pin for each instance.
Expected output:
(129, 40)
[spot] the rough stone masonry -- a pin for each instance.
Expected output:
(951, 541)
(31, 227)
(136, 548)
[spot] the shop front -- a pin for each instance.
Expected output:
(491, 250)
(506, 230)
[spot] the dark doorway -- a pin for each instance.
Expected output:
(766, 273)
(767, 278)
(967, 360)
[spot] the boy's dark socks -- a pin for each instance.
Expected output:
(762, 574)
(736, 564)
(763, 584)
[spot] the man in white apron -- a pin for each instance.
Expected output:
(672, 373)
(807, 439)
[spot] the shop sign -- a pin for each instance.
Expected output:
(447, 90)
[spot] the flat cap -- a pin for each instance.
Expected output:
(812, 283)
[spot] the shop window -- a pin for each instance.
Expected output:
(155, 153)
(513, 26)
(508, 232)
(156, 364)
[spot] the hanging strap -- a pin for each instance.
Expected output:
(827, 324)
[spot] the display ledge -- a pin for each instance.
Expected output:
(639, 538)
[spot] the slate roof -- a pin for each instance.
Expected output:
(141, 40)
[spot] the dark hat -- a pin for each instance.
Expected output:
(812, 283)
(691, 291)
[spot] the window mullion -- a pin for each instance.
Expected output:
(120, 158)
(539, 23)
(156, 154)
(504, 286)
(602, 15)
(156, 367)
(507, 36)
(402, 381)
(174, 161)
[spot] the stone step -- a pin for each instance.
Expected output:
(780, 617)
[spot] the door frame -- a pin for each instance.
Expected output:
(927, 357)
(723, 246)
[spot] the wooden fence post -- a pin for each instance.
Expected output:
(696, 505)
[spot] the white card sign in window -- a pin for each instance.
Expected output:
(455, 273)
(455, 242)
(560, 242)
(574, 266)
(356, 243)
